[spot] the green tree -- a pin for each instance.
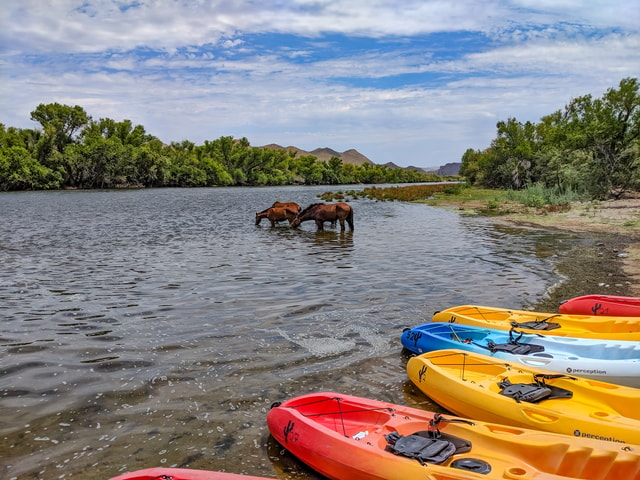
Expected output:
(150, 165)
(60, 124)
(608, 129)
(470, 168)
(20, 171)
(309, 169)
(96, 163)
(514, 150)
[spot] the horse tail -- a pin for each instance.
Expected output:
(350, 217)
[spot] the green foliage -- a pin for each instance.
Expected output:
(493, 204)
(538, 195)
(454, 189)
(20, 171)
(591, 148)
(73, 150)
(410, 193)
(60, 124)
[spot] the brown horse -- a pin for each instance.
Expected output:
(276, 214)
(326, 212)
(292, 205)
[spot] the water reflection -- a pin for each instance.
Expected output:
(341, 239)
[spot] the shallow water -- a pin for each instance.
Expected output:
(156, 327)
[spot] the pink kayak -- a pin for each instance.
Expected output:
(182, 474)
(609, 305)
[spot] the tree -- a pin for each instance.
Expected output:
(150, 165)
(590, 147)
(20, 171)
(470, 168)
(610, 131)
(514, 149)
(60, 124)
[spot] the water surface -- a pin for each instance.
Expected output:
(156, 327)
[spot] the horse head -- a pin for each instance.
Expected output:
(306, 214)
(295, 223)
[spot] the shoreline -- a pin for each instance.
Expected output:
(608, 263)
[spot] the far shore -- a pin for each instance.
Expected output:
(609, 264)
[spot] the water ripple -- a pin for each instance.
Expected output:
(152, 327)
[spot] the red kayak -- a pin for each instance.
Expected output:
(609, 305)
(345, 437)
(182, 474)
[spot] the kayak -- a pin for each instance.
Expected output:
(610, 305)
(161, 473)
(489, 389)
(582, 326)
(344, 437)
(613, 361)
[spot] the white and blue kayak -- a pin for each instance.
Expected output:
(613, 361)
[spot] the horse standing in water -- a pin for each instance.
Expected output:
(276, 214)
(326, 212)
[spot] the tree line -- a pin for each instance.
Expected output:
(72, 150)
(590, 148)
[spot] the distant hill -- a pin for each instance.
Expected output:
(449, 169)
(354, 157)
(325, 154)
(392, 165)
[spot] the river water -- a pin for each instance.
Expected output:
(156, 327)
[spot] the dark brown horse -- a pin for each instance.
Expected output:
(276, 214)
(291, 205)
(326, 212)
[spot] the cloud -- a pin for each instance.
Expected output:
(414, 83)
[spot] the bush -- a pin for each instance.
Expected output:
(537, 196)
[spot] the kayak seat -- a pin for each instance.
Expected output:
(536, 325)
(426, 448)
(514, 348)
(532, 392)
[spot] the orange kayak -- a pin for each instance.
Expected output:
(351, 438)
(609, 305)
(182, 474)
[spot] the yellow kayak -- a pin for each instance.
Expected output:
(494, 390)
(563, 325)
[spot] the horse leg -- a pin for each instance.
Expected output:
(342, 224)
(320, 224)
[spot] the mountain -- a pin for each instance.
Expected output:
(392, 165)
(351, 156)
(354, 157)
(449, 169)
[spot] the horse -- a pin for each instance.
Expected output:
(276, 214)
(292, 205)
(325, 212)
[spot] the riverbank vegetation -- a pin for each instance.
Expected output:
(409, 193)
(72, 150)
(589, 149)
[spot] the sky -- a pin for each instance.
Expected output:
(413, 82)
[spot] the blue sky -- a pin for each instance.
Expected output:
(410, 82)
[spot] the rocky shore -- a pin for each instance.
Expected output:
(609, 260)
